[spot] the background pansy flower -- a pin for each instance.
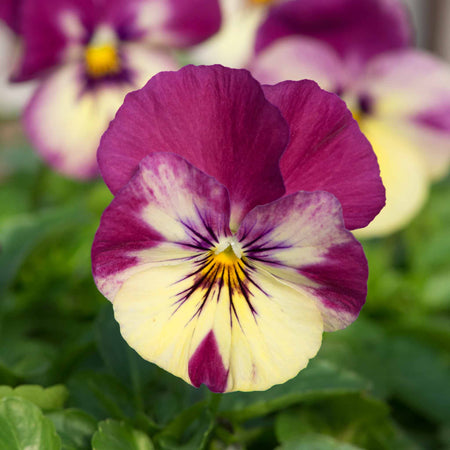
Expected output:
(13, 96)
(233, 45)
(225, 251)
(400, 96)
(89, 54)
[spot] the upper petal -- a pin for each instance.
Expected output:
(180, 26)
(50, 29)
(301, 240)
(216, 118)
(356, 29)
(299, 58)
(327, 151)
(9, 10)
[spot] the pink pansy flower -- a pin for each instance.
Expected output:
(400, 96)
(13, 97)
(89, 54)
(225, 251)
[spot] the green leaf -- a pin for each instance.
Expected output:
(113, 435)
(19, 234)
(356, 419)
(122, 360)
(317, 442)
(101, 395)
(191, 429)
(420, 377)
(318, 380)
(24, 427)
(53, 397)
(75, 428)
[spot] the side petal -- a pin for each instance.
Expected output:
(216, 118)
(166, 214)
(349, 26)
(327, 151)
(174, 23)
(213, 337)
(299, 58)
(411, 89)
(301, 240)
(404, 174)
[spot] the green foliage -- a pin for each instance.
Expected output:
(23, 426)
(47, 399)
(113, 435)
(68, 380)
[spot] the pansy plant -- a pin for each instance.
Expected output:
(225, 251)
(400, 96)
(88, 54)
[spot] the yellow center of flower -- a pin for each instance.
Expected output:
(102, 60)
(262, 2)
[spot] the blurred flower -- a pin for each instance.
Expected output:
(99, 50)
(234, 44)
(400, 96)
(224, 262)
(13, 97)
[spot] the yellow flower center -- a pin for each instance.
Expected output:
(262, 2)
(102, 60)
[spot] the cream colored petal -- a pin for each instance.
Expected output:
(404, 174)
(257, 348)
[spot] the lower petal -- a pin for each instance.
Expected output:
(215, 338)
(404, 173)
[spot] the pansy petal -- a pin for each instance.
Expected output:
(301, 240)
(205, 322)
(216, 118)
(233, 45)
(13, 96)
(327, 151)
(216, 339)
(357, 30)
(165, 213)
(404, 174)
(181, 26)
(52, 30)
(411, 89)
(67, 117)
(299, 58)
(9, 13)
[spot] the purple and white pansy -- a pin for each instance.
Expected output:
(13, 97)
(88, 55)
(226, 249)
(400, 96)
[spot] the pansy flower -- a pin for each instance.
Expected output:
(400, 96)
(225, 251)
(233, 45)
(13, 97)
(89, 54)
